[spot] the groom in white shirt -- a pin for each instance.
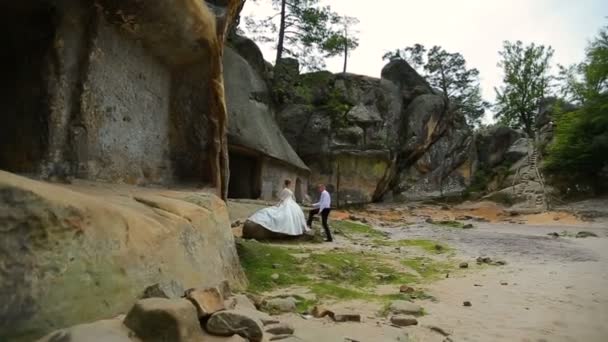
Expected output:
(323, 207)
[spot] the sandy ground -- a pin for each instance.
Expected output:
(552, 289)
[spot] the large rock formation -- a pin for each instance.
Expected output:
(84, 253)
(261, 156)
(115, 90)
(125, 92)
(370, 138)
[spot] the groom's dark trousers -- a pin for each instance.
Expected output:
(324, 215)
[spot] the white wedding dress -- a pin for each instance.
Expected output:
(286, 218)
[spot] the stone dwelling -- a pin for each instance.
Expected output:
(260, 156)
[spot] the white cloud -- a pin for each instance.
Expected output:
(475, 28)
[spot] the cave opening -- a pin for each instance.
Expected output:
(244, 176)
(27, 33)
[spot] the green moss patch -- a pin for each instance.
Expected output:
(333, 274)
(349, 228)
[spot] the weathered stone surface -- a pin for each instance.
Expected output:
(161, 320)
(235, 322)
(253, 129)
(518, 150)
(207, 301)
(405, 308)
(493, 143)
(123, 243)
(108, 93)
(281, 305)
(111, 330)
(280, 329)
(404, 321)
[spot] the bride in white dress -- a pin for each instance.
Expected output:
(286, 217)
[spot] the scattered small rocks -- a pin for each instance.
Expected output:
(484, 260)
(489, 261)
(467, 303)
(504, 283)
(464, 265)
(468, 226)
(403, 321)
(275, 276)
(585, 234)
(554, 235)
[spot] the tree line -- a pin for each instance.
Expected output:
(310, 32)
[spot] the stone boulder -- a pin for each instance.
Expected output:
(402, 307)
(407, 78)
(493, 144)
(83, 252)
(161, 320)
(235, 322)
(207, 301)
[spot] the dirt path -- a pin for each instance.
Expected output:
(552, 288)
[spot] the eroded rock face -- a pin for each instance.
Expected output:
(368, 137)
(76, 258)
(493, 144)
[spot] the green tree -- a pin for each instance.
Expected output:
(449, 73)
(579, 151)
(342, 41)
(579, 82)
(302, 29)
(526, 83)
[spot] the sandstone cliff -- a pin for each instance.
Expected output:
(372, 139)
(125, 92)
(85, 252)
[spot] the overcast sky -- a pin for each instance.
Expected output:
(475, 28)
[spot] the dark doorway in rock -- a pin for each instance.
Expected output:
(244, 176)
(298, 191)
(26, 35)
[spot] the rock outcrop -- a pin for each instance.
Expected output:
(370, 138)
(119, 91)
(87, 252)
(262, 157)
